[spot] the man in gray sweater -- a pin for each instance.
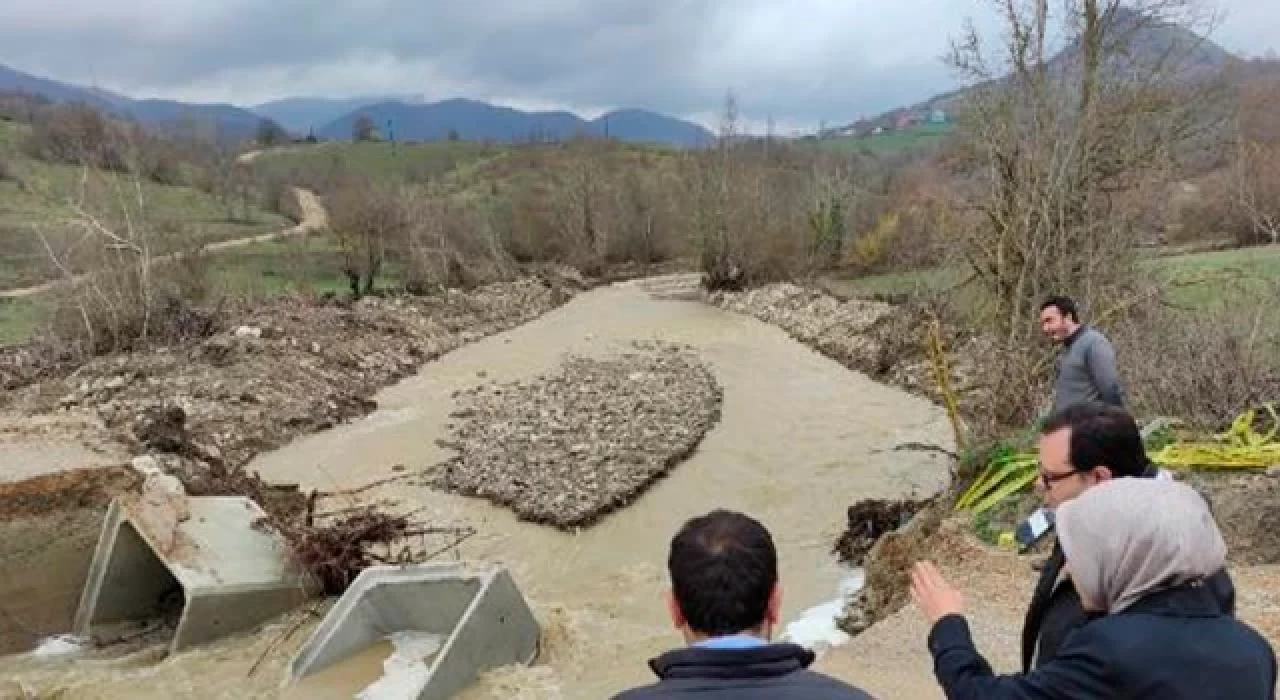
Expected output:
(1086, 366)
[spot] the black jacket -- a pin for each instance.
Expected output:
(1055, 610)
(775, 671)
(1173, 645)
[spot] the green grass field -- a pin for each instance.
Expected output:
(41, 196)
(307, 265)
(891, 143)
(1198, 279)
(398, 162)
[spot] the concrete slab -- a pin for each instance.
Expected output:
(483, 618)
(229, 574)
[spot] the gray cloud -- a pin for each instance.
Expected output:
(798, 62)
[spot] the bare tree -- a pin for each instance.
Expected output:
(1257, 160)
(1054, 139)
(270, 133)
(364, 129)
(367, 218)
(579, 209)
(119, 290)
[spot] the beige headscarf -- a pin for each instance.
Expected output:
(1127, 538)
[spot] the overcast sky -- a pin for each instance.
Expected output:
(799, 61)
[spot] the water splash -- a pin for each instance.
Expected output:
(405, 672)
(816, 627)
(59, 646)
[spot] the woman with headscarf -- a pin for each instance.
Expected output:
(1138, 552)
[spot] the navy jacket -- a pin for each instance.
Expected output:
(773, 672)
(1055, 611)
(1172, 645)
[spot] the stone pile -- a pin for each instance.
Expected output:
(567, 448)
(881, 340)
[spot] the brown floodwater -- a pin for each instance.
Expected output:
(800, 439)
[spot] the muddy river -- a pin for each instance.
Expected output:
(800, 439)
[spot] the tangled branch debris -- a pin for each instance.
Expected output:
(337, 552)
(867, 521)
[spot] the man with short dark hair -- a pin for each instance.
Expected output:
(1082, 446)
(1086, 366)
(725, 600)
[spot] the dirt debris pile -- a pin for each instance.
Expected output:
(888, 566)
(870, 520)
(565, 449)
(281, 370)
(881, 340)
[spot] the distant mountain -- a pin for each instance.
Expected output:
(404, 118)
(231, 122)
(1200, 57)
(17, 81)
(301, 114)
(643, 125)
(479, 121)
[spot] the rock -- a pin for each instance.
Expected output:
(146, 465)
(162, 428)
(217, 351)
(248, 332)
(116, 383)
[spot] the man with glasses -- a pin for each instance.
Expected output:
(1081, 446)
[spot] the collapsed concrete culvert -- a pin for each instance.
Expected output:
(202, 565)
(566, 449)
(448, 623)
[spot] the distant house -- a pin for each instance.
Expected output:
(938, 116)
(906, 121)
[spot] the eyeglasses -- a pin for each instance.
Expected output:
(1049, 478)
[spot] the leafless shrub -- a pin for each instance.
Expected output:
(366, 217)
(77, 134)
(446, 244)
(644, 222)
(7, 171)
(120, 295)
(1203, 365)
(21, 106)
(1256, 170)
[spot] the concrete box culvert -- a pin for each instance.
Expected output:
(228, 573)
(480, 614)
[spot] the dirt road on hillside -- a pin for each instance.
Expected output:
(314, 218)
